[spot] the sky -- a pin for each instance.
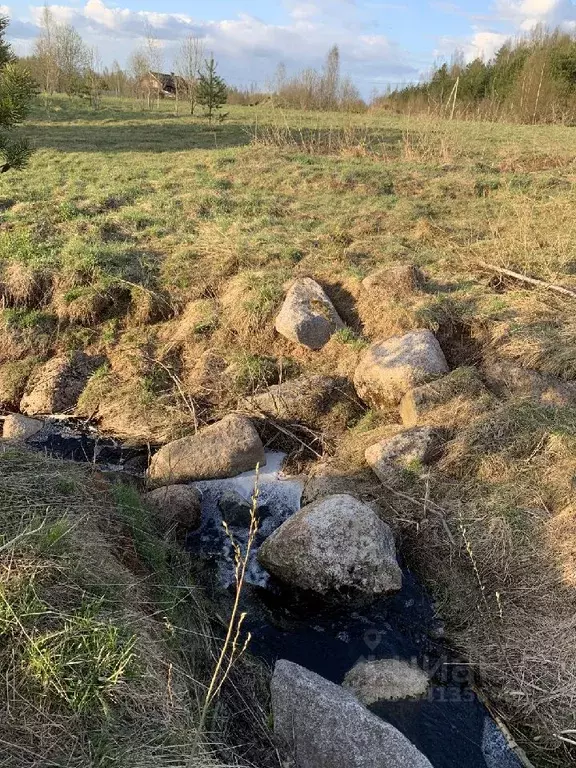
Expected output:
(381, 42)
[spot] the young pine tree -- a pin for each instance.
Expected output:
(211, 89)
(17, 89)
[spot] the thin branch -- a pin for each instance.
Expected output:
(526, 279)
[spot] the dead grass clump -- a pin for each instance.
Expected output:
(517, 160)
(90, 304)
(147, 306)
(431, 144)
(383, 315)
(189, 273)
(536, 333)
(249, 303)
(451, 402)
(137, 409)
(506, 572)
(199, 319)
(25, 286)
(26, 333)
(13, 378)
(348, 141)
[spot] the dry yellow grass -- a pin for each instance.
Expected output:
(178, 259)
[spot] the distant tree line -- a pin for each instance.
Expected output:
(528, 80)
(61, 62)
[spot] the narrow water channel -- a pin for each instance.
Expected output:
(450, 725)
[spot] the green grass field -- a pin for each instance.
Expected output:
(162, 242)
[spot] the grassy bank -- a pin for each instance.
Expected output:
(107, 643)
(163, 244)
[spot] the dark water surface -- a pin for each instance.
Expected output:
(450, 725)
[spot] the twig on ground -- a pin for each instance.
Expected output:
(526, 279)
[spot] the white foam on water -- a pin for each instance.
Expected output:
(279, 492)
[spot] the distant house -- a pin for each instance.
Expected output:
(167, 86)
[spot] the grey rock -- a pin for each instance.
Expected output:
(318, 724)
(337, 547)
(307, 315)
(302, 399)
(177, 506)
(408, 451)
(235, 509)
(224, 449)
(57, 385)
(386, 680)
(454, 400)
(20, 428)
(388, 369)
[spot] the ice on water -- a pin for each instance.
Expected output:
(280, 493)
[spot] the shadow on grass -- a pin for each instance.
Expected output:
(139, 137)
(167, 136)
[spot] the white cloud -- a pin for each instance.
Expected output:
(484, 44)
(526, 14)
(238, 42)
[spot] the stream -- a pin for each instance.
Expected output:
(449, 725)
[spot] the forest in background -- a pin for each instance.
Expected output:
(529, 80)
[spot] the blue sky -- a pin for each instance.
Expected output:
(381, 41)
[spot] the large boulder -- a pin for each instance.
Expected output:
(225, 449)
(410, 450)
(303, 399)
(20, 428)
(56, 387)
(452, 401)
(177, 507)
(318, 724)
(337, 548)
(388, 369)
(386, 680)
(307, 315)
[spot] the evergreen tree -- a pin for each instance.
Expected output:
(17, 89)
(211, 90)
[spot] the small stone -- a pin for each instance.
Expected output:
(225, 449)
(461, 395)
(318, 724)
(397, 280)
(20, 428)
(337, 547)
(236, 510)
(177, 506)
(307, 315)
(386, 680)
(410, 450)
(388, 369)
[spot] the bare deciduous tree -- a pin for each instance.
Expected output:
(188, 62)
(45, 52)
(139, 68)
(330, 85)
(155, 55)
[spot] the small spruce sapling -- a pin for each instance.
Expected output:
(212, 92)
(17, 89)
